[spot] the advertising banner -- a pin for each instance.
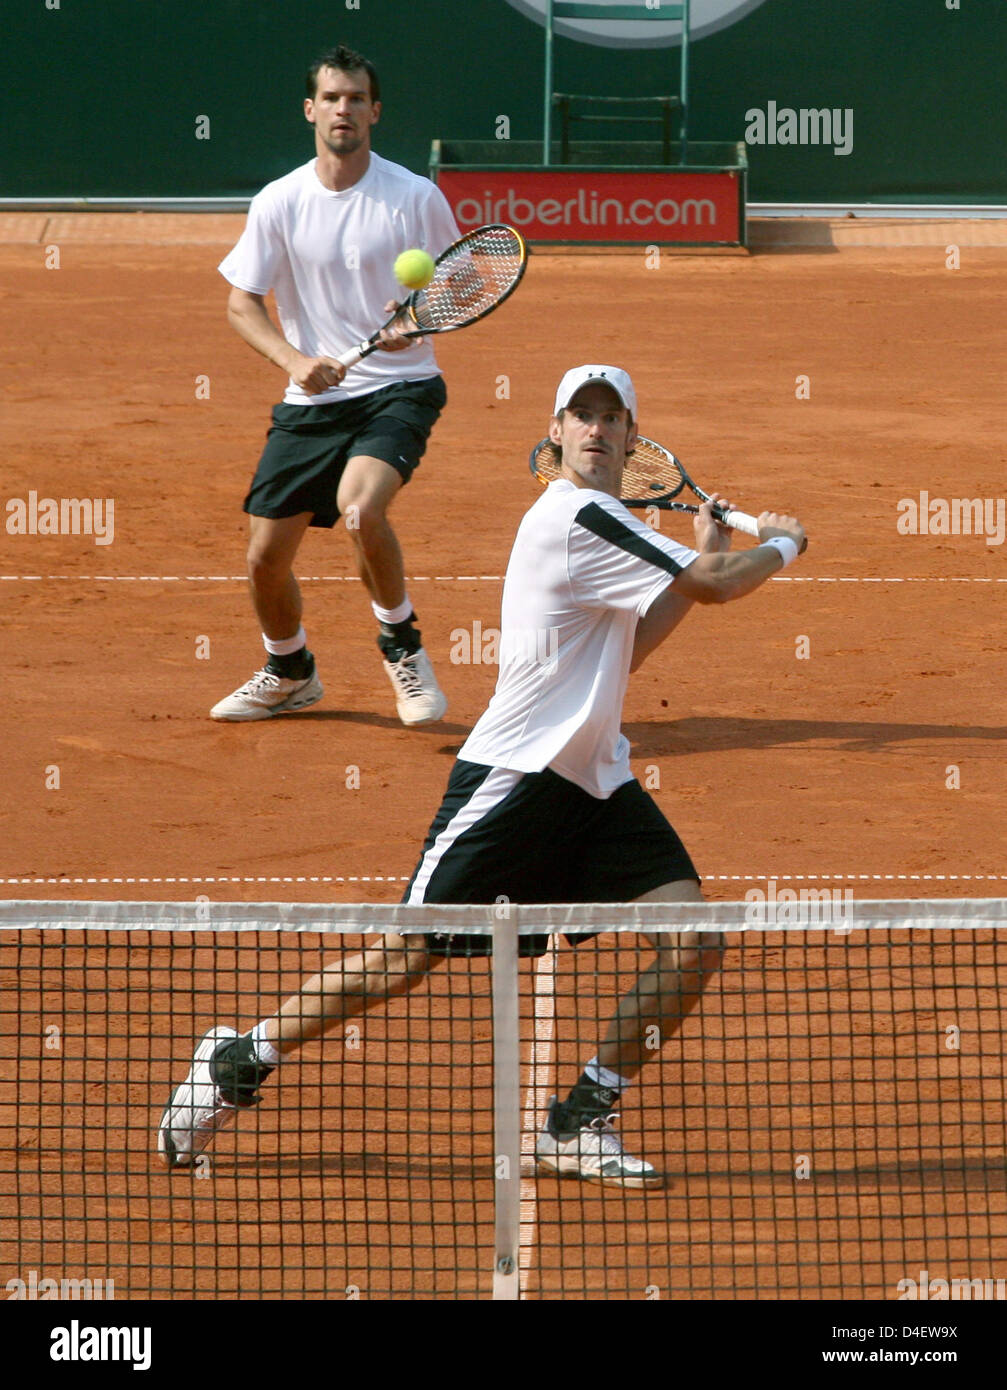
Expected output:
(608, 206)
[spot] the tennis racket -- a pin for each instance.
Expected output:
(471, 278)
(653, 477)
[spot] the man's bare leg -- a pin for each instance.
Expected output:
(272, 545)
(348, 987)
(663, 996)
(666, 992)
(366, 490)
(289, 681)
(345, 988)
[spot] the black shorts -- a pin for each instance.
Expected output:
(534, 837)
(307, 446)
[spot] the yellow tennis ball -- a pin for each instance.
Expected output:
(414, 269)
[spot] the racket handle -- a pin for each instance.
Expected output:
(741, 521)
(353, 355)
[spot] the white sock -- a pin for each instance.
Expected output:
(604, 1077)
(264, 1050)
(393, 615)
(286, 646)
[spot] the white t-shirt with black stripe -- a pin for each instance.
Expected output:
(330, 259)
(583, 570)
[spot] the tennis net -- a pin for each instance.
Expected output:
(824, 1104)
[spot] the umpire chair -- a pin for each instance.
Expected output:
(573, 107)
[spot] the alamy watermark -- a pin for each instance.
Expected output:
(793, 907)
(62, 516)
(488, 646)
(927, 1288)
(41, 1287)
(76, 1343)
(953, 516)
(785, 125)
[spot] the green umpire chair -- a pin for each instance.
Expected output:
(573, 107)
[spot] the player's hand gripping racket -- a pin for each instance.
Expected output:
(653, 477)
(471, 278)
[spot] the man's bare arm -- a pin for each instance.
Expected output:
(248, 316)
(721, 578)
(713, 577)
(664, 614)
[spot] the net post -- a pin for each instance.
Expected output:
(506, 1104)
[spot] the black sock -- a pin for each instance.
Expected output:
(586, 1102)
(397, 640)
(298, 666)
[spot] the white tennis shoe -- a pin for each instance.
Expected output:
(267, 694)
(594, 1153)
(418, 697)
(196, 1110)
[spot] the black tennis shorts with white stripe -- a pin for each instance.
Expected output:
(534, 837)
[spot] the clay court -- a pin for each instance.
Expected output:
(831, 770)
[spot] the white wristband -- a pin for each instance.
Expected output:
(787, 548)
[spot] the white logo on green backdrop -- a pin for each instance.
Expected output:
(706, 17)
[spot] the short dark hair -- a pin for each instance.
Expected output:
(343, 59)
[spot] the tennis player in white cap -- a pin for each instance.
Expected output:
(541, 805)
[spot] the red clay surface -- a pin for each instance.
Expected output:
(834, 766)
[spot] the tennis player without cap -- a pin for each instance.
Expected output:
(541, 805)
(343, 442)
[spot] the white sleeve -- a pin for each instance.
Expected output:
(251, 265)
(615, 561)
(438, 226)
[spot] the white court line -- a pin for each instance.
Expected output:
(849, 878)
(261, 878)
(536, 1099)
(457, 579)
(404, 878)
(240, 578)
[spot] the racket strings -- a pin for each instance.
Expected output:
(547, 463)
(649, 471)
(471, 278)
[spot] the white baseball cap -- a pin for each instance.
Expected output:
(615, 377)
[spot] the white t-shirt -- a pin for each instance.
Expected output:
(329, 258)
(582, 572)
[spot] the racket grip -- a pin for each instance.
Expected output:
(353, 355)
(741, 521)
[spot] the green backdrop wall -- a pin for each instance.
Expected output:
(100, 98)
